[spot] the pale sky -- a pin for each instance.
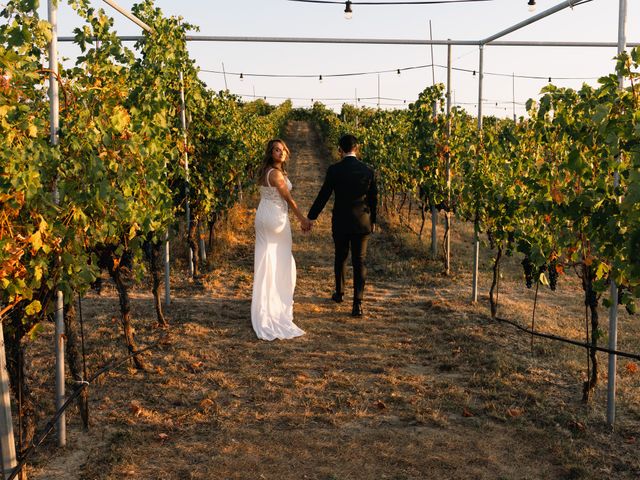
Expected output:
(593, 21)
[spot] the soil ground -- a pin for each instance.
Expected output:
(425, 386)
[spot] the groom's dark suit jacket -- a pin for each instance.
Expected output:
(354, 208)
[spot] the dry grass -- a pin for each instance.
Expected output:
(425, 386)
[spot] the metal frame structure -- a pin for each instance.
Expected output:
(377, 41)
(54, 115)
(488, 41)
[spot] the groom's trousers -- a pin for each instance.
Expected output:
(358, 245)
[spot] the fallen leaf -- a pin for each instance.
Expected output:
(467, 413)
(514, 412)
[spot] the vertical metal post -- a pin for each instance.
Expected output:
(183, 120)
(513, 93)
(224, 73)
(203, 248)
(55, 125)
(54, 96)
(7, 440)
(476, 234)
(433, 67)
(434, 210)
(613, 309)
(378, 91)
(167, 270)
(356, 98)
(434, 232)
(447, 246)
(60, 387)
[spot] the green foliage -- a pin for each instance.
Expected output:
(120, 170)
(544, 185)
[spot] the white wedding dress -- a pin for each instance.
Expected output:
(274, 269)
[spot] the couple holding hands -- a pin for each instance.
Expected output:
(353, 219)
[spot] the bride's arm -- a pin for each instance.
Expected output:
(277, 180)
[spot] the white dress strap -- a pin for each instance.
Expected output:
(269, 173)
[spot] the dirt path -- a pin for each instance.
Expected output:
(422, 387)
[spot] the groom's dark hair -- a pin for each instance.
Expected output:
(347, 143)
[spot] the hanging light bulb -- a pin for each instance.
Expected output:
(348, 13)
(398, 71)
(320, 78)
(532, 5)
(549, 79)
(241, 77)
(474, 73)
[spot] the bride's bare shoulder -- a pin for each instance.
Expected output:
(275, 176)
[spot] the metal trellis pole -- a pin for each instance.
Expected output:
(167, 270)
(434, 210)
(613, 309)
(59, 311)
(377, 41)
(447, 246)
(225, 77)
(183, 120)
(476, 234)
(129, 15)
(513, 94)
(203, 247)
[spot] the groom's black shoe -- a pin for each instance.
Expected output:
(357, 310)
(336, 297)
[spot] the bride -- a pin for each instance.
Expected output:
(274, 271)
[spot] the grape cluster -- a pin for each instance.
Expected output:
(528, 267)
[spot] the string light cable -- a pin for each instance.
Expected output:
(373, 100)
(315, 75)
(397, 71)
(425, 2)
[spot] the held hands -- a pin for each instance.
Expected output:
(306, 225)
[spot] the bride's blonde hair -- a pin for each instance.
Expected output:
(267, 160)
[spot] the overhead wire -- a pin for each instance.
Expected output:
(417, 2)
(388, 101)
(394, 70)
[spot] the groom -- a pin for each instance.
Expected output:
(353, 217)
